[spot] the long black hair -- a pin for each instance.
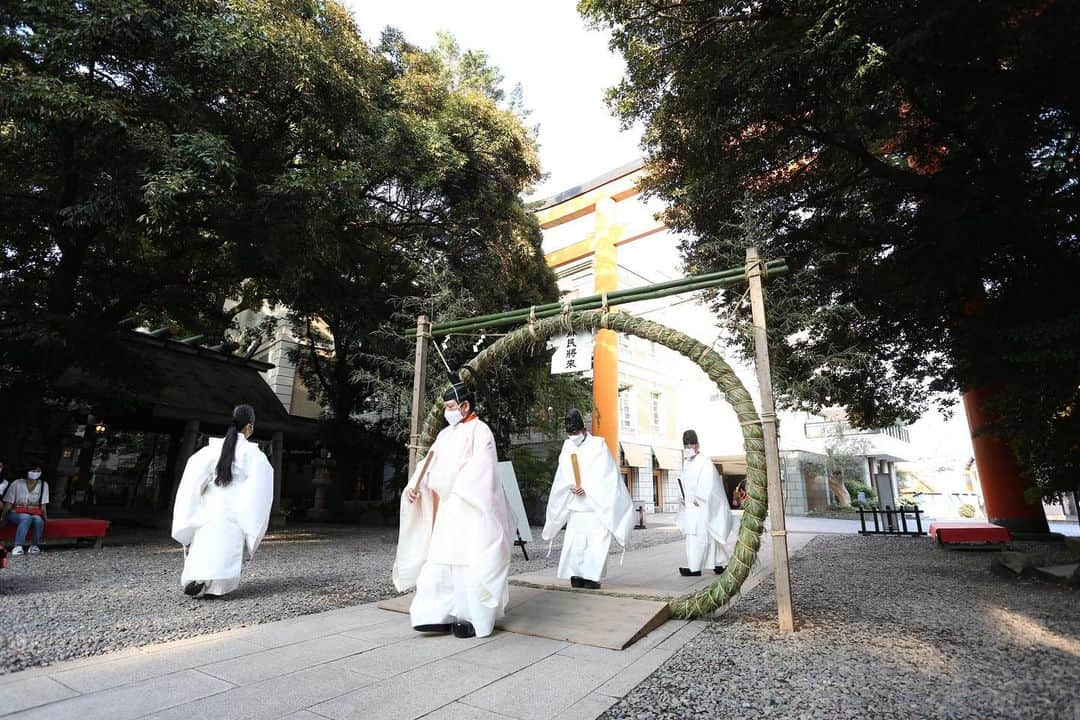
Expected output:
(242, 416)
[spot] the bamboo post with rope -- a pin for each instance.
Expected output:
(755, 269)
(423, 332)
(764, 493)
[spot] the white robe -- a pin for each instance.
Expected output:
(707, 525)
(604, 512)
(458, 560)
(216, 524)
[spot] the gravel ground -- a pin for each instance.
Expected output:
(889, 628)
(68, 603)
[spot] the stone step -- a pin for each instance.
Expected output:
(1068, 573)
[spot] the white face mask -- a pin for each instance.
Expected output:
(33, 475)
(578, 439)
(688, 453)
(452, 416)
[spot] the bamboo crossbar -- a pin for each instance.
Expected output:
(722, 278)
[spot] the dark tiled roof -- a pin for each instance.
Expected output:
(187, 382)
(628, 168)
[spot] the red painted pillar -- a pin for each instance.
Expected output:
(999, 474)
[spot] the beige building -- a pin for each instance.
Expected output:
(275, 349)
(661, 393)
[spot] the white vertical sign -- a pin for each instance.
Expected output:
(505, 472)
(573, 353)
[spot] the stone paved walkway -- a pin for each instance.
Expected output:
(356, 662)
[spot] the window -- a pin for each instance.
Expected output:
(625, 410)
(654, 412)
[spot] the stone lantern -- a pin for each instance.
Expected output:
(321, 479)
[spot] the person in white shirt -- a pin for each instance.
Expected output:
(222, 508)
(455, 538)
(597, 511)
(705, 518)
(25, 505)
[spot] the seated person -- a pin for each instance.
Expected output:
(24, 505)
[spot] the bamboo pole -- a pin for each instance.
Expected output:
(423, 332)
(613, 296)
(754, 271)
(595, 302)
(738, 274)
(419, 477)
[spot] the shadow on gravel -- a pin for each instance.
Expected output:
(266, 587)
(37, 585)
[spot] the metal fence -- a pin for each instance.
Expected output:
(905, 520)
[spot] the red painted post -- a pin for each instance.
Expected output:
(999, 473)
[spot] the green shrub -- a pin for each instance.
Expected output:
(854, 487)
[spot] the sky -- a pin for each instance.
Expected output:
(563, 68)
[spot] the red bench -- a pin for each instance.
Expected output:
(968, 533)
(66, 528)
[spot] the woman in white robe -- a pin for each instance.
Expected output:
(594, 514)
(455, 536)
(705, 518)
(222, 508)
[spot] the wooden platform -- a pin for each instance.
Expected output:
(583, 618)
(632, 600)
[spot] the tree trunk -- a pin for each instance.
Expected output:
(344, 448)
(53, 429)
(840, 491)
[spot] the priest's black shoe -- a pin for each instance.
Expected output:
(686, 572)
(464, 630)
(193, 588)
(719, 569)
(576, 582)
(433, 628)
(590, 584)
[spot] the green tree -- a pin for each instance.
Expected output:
(845, 461)
(134, 138)
(426, 212)
(914, 161)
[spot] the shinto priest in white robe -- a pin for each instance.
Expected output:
(458, 556)
(707, 524)
(604, 512)
(217, 524)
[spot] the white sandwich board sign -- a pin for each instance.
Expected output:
(505, 471)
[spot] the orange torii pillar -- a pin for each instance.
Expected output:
(600, 244)
(606, 349)
(1002, 484)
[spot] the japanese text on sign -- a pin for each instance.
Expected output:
(573, 353)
